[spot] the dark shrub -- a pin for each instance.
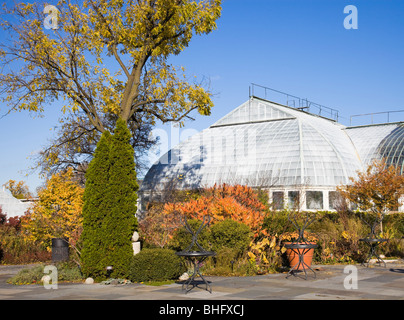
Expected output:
(155, 264)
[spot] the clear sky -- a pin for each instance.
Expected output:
(296, 46)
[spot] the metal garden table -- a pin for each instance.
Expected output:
(196, 258)
(373, 243)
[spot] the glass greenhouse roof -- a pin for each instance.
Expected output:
(262, 143)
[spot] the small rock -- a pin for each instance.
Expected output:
(89, 281)
(184, 276)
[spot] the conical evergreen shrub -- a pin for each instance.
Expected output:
(110, 206)
(121, 222)
(95, 209)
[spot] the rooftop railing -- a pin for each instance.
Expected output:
(377, 117)
(293, 101)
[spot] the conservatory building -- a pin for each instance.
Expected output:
(298, 156)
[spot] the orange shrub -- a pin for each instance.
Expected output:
(239, 203)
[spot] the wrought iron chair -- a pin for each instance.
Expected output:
(195, 257)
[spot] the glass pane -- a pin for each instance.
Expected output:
(314, 200)
(277, 199)
(293, 199)
(333, 197)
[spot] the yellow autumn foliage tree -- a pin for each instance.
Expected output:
(101, 60)
(104, 57)
(58, 212)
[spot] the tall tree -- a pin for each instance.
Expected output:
(104, 57)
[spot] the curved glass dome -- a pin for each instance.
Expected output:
(261, 143)
(382, 141)
(392, 148)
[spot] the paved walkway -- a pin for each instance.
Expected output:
(331, 283)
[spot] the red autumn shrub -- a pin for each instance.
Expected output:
(15, 248)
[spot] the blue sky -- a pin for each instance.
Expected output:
(296, 46)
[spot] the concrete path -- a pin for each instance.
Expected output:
(331, 283)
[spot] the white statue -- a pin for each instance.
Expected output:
(135, 243)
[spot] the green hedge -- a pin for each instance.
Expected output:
(223, 234)
(155, 264)
(230, 234)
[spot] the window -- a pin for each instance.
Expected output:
(314, 200)
(333, 198)
(293, 199)
(277, 199)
